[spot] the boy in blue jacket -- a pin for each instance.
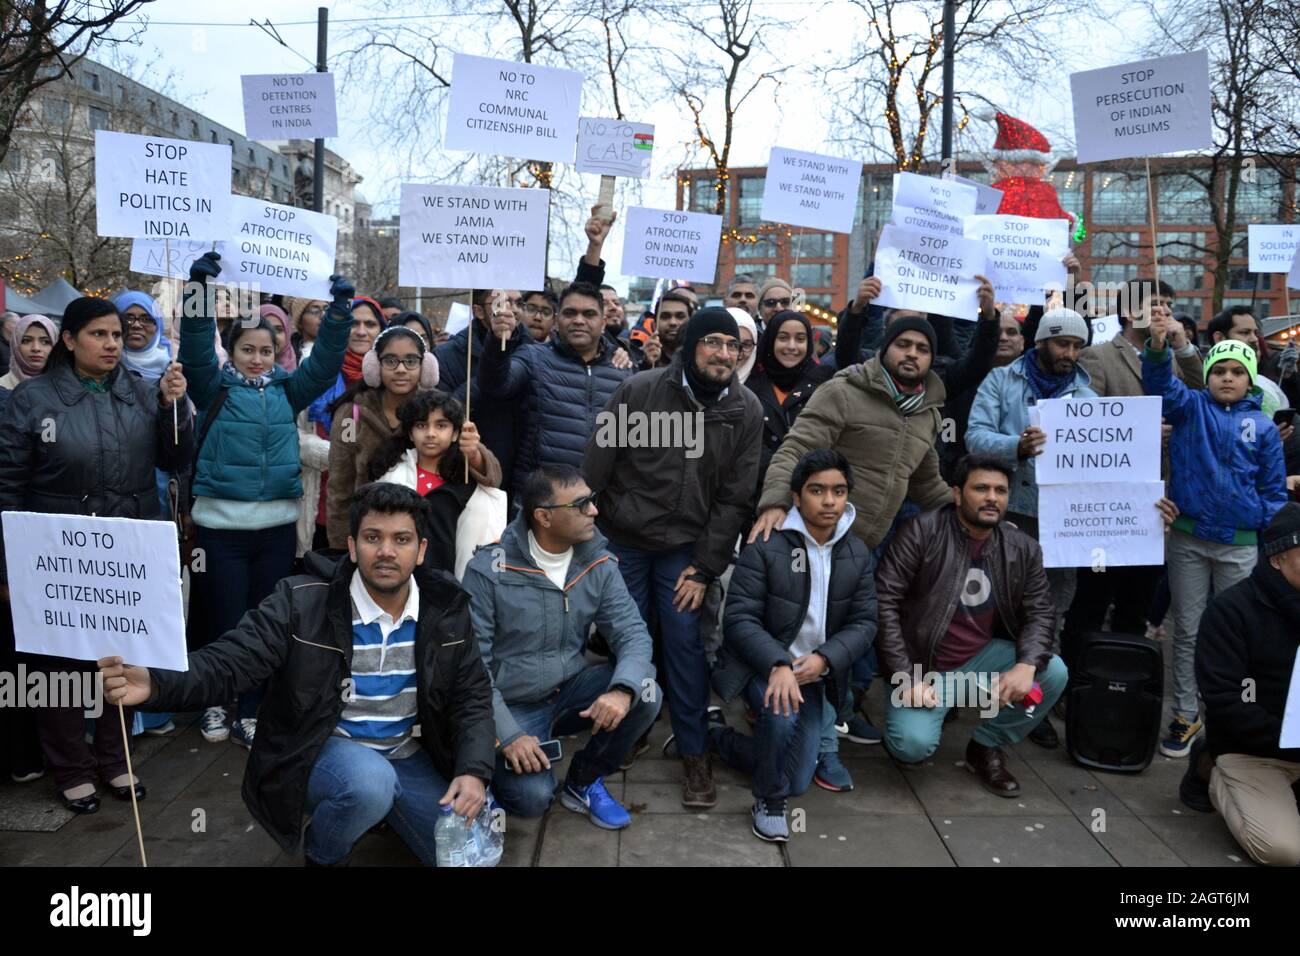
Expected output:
(1228, 479)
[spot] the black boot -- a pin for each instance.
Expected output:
(1194, 790)
(1045, 734)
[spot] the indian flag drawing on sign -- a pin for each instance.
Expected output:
(643, 141)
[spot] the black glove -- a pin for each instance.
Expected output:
(205, 267)
(342, 290)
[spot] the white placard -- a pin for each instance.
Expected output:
(1290, 736)
(87, 588)
(459, 317)
(807, 189)
(161, 188)
(937, 206)
(1293, 277)
(929, 273)
(1105, 328)
(1025, 255)
(149, 256)
(503, 108)
(473, 237)
(290, 106)
(1082, 524)
(1099, 440)
(671, 244)
(1147, 108)
(614, 147)
(1272, 248)
(280, 249)
(987, 199)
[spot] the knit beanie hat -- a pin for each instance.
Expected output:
(909, 323)
(1237, 351)
(1061, 322)
(1283, 532)
(774, 283)
(707, 321)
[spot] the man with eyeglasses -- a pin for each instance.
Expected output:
(539, 313)
(534, 598)
(674, 498)
(560, 384)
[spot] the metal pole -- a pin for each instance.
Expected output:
(318, 173)
(949, 41)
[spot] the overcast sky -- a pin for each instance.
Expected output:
(207, 62)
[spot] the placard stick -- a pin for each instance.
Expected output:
(605, 202)
(176, 427)
(1155, 246)
(135, 807)
(469, 368)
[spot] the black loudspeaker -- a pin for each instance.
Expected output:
(1114, 699)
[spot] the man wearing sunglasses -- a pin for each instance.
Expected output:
(774, 296)
(672, 510)
(534, 598)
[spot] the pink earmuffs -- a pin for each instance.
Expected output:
(370, 368)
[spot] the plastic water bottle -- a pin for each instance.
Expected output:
(490, 840)
(453, 842)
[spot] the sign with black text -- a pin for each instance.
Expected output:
(503, 108)
(1272, 248)
(929, 273)
(1025, 255)
(613, 147)
(280, 249)
(290, 106)
(161, 188)
(1099, 440)
(671, 244)
(806, 189)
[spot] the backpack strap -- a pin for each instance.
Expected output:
(208, 420)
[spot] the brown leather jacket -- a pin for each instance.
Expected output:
(919, 582)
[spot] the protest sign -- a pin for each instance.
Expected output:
(1272, 248)
(503, 108)
(806, 189)
(1146, 108)
(87, 588)
(1099, 440)
(458, 317)
(161, 188)
(669, 244)
(1104, 328)
(290, 106)
(279, 248)
(987, 199)
(929, 273)
(150, 256)
(1293, 277)
(1112, 524)
(936, 206)
(473, 237)
(613, 147)
(1024, 255)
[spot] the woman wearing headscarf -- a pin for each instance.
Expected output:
(31, 339)
(145, 349)
(284, 354)
(305, 317)
(785, 378)
(246, 472)
(748, 342)
(114, 429)
(417, 322)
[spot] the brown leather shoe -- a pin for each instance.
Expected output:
(698, 791)
(988, 763)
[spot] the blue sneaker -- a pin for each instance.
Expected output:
(769, 821)
(594, 800)
(1178, 741)
(243, 731)
(859, 731)
(831, 774)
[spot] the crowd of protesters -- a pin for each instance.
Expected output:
(566, 518)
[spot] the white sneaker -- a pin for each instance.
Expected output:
(214, 726)
(161, 730)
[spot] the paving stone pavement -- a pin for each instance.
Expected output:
(935, 815)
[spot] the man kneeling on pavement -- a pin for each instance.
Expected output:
(964, 601)
(800, 610)
(1245, 657)
(534, 598)
(377, 704)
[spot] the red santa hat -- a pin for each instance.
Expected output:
(1018, 142)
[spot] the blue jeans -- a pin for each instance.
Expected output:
(352, 788)
(529, 794)
(864, 671)
(241, 569)
(782, 754)
(912, 733)
(650, 577)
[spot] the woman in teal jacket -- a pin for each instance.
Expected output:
(247, 478)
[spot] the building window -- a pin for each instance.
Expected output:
(812, 275)
(1115, 272)
(1183, 276)
(703, 195)
(235, 176)
(98, 118)
(55, 110)
(176, 120)
(1183, 245)
(1260, 306)
(121, 93)
(879, 193)
(1240, 277)
(813, 245)
(1116, 245)
(763, 247)
(751, 199)
(1261, 200)
(1069, 187)
(194, 129)
(153, 110)
(14, 160)
(251, 157)
(1118, 198)
(212, 135)
(231, 142)
(1180, 198)
(90, 80)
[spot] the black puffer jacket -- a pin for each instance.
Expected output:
(778, 416)
(560, 394)
(298, 643)
(67, 450)
(699, 496)
(1250, 632)
(768, 601)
